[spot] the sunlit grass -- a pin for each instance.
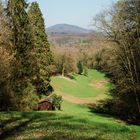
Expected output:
(80, 85)
(74, 122)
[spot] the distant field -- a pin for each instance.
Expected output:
(76, 121)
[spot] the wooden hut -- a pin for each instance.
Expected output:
(45, 105)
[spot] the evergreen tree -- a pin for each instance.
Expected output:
(42, 49)
(6, 100)
(80, 67)
(23, 63)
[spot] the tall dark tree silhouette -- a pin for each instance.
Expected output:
(23, 63)
(42, 49)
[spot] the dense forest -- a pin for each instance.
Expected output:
(28, 60)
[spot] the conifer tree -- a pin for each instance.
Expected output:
(23, 63)
(6, 100)
(80, 67)
(42, 49)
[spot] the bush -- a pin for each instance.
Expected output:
(56, 100)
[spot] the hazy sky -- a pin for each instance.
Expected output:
(76, 12)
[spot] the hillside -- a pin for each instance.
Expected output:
(65, 35)
(67, 29)
(76, 121)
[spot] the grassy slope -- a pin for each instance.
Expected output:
(80, 87)
(75, 122)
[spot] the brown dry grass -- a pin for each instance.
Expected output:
(98, 84)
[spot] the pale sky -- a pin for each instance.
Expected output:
(75, 12)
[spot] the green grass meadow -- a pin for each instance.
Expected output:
(80, 87)
(75, 121)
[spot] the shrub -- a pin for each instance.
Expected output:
(56, 100)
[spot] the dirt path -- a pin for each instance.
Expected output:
(98, 84)
(78, 100)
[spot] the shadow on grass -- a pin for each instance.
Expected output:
(9, 132)
(94, 108)
(49, 126)
(13, 124)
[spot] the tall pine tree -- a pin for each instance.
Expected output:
(23, 63)
(42, 49)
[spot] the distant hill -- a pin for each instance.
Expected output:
(66, 35)
(67, 29)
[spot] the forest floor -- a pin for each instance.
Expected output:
(76, 121)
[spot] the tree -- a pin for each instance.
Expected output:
(121, 26)
(65, 60)
(23, 62)
(80, 67)
(42, 51)
(129, 47)
(6, 96)
(5, 31)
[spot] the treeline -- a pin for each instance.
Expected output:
(76, 59)
(121, 61)
(25, 56)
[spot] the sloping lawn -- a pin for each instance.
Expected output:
(74, 122)
(80, 85)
